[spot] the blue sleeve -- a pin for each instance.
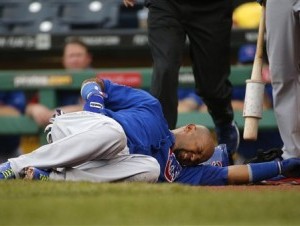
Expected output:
(140, 115)
(120, 97)
(203, 175)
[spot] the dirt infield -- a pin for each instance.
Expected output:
(253, 188)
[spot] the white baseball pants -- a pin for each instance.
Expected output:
(283, 47)
(89, 147)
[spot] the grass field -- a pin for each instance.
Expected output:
(70, 203)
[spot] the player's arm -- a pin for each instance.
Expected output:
(256, 172)
(118, 97)
(238, 174)
(93, 95)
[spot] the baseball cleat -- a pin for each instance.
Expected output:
(229, 134)
(6, 171)
(281, 180)
(32, 173)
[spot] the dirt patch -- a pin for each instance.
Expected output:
(264, 187)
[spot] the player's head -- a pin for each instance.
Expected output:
(194, 144)
(76, 55)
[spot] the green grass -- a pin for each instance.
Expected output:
(70, 203)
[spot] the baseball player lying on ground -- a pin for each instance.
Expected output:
(122, 135)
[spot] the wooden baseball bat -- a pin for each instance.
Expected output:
(251, 122)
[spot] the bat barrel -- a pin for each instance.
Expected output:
(250, 128)
(253, 105)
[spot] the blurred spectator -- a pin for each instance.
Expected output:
(76, 56)
(189, 101)
(12, 103)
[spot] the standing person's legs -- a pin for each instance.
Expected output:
(209, 30)
(208, 24)
(283, 47)
(166, 41)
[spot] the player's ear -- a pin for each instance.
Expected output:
(190, 127)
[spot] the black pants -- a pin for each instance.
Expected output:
(207, 24)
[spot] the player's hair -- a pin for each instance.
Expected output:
(78, 41)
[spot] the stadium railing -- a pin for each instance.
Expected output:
(47, 82)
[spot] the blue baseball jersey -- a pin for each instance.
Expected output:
(141, 117)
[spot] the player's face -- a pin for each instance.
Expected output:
(196, 147)
(190, 158)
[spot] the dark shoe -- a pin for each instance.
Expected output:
(281, 180)
(229, 134)
(6, 171)
(266, 156)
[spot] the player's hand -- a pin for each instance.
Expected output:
(290, 167)
(58, 112)
(129, 3)
(95, 103)
(262, 2)
(90, 88)
(48, 128)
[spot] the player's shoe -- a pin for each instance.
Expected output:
(229, 134)
(281, 180)
(33, 173)
(266, 156)
(6, 171)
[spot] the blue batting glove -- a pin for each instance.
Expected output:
(290, 167)
(95, 103)
(88, 89)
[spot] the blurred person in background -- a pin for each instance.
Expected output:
(189, 101)
(12, 103)
(283, 50)
(76, 57)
